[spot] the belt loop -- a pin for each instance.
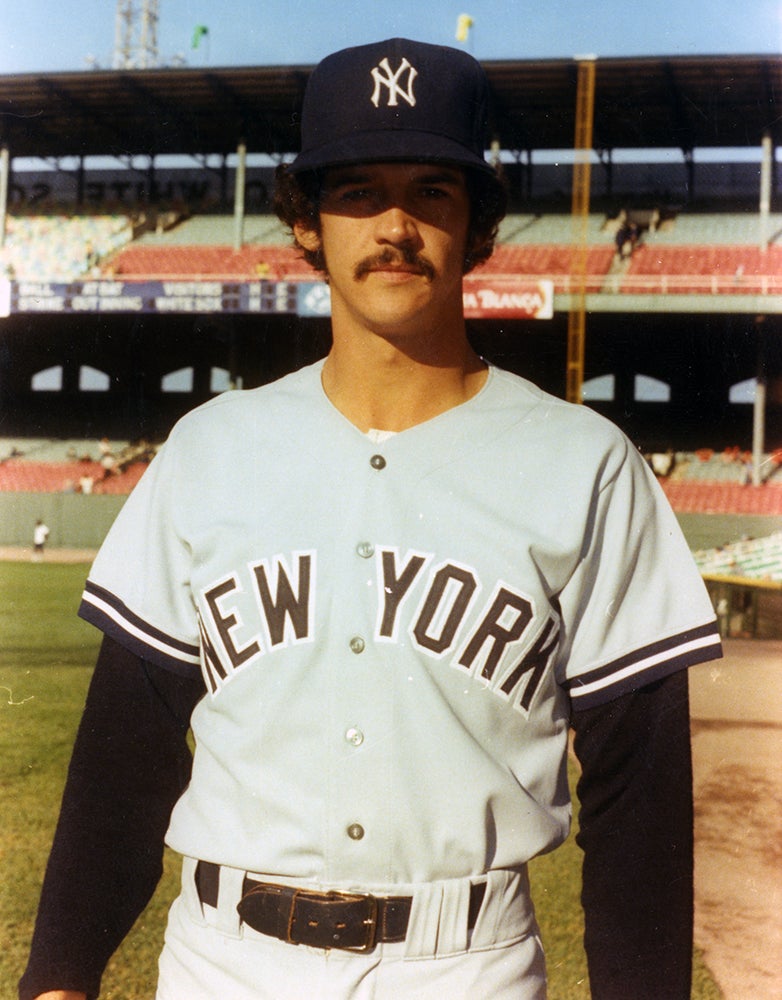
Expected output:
(507, 910)
(454, 934)
(216, 891)
(424, 926)
(229, 894)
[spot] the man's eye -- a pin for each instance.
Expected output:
(354, 194)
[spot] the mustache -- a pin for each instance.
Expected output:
(396, 257)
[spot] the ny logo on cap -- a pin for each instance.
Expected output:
(384, 76)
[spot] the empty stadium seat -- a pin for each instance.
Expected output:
(705, 269)
(65, 477)
(723, 498)
(215, 262)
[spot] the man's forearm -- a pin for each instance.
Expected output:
(636, 833)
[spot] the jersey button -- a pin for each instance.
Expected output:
(356, 831)
(365, 549)
(354, 736)
(357, 644)
(377, 462)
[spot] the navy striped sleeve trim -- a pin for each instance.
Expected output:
(107, 612)
(644, 666)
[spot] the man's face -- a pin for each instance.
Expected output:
(393, 236)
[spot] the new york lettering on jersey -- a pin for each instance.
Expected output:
(501, 642)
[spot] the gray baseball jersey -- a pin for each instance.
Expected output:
(393, 635)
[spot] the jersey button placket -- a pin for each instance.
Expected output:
(354, 831)
(357, 644)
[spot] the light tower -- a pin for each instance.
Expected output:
(135, 34)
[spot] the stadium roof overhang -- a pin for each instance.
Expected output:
(655, 102)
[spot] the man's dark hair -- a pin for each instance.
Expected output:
(297, 201)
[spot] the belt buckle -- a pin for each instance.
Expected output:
(298, 928)
(369, 922)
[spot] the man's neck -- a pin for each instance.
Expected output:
(376, 384)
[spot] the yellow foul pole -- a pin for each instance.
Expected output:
(576, 336)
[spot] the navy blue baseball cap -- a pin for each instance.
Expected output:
(395, 100)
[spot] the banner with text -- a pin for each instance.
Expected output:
(508, 298)
(154, 297)
(500, 298)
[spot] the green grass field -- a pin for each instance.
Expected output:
(46, 656)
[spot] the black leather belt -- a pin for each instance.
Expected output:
(351, 921)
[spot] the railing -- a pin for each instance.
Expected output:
(693, 284)
(663, 284)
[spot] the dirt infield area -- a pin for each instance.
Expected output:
(22, 554)
(736, 709)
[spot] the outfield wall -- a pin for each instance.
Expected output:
(74, 520)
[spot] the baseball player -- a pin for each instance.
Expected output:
(381, 591)
(40, 537)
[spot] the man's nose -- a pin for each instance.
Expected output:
(395, 225)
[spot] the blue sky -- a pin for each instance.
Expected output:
(41, 35)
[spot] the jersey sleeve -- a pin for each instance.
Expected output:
(138, 589)
(635, 609)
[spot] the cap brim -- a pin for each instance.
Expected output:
(389, 146)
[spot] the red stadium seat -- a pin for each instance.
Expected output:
(704, 270)
(60, 477)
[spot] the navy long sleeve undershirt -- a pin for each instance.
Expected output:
(636, 831)
(131, 762)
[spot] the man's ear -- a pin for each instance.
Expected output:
(306, 237)
(480, 248)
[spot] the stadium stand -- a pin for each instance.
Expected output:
(711, 254)
(684, 269)
(724, 498)
(714, 269)
(686, 253)
(72, 466)
(63, 248)
(212, 262)
(252, 261)
(708, 482)
(214, 229)
(731, 228)
(751, 559)
(60, 246)
(18, 476)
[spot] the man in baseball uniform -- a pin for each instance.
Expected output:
(381, 591)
